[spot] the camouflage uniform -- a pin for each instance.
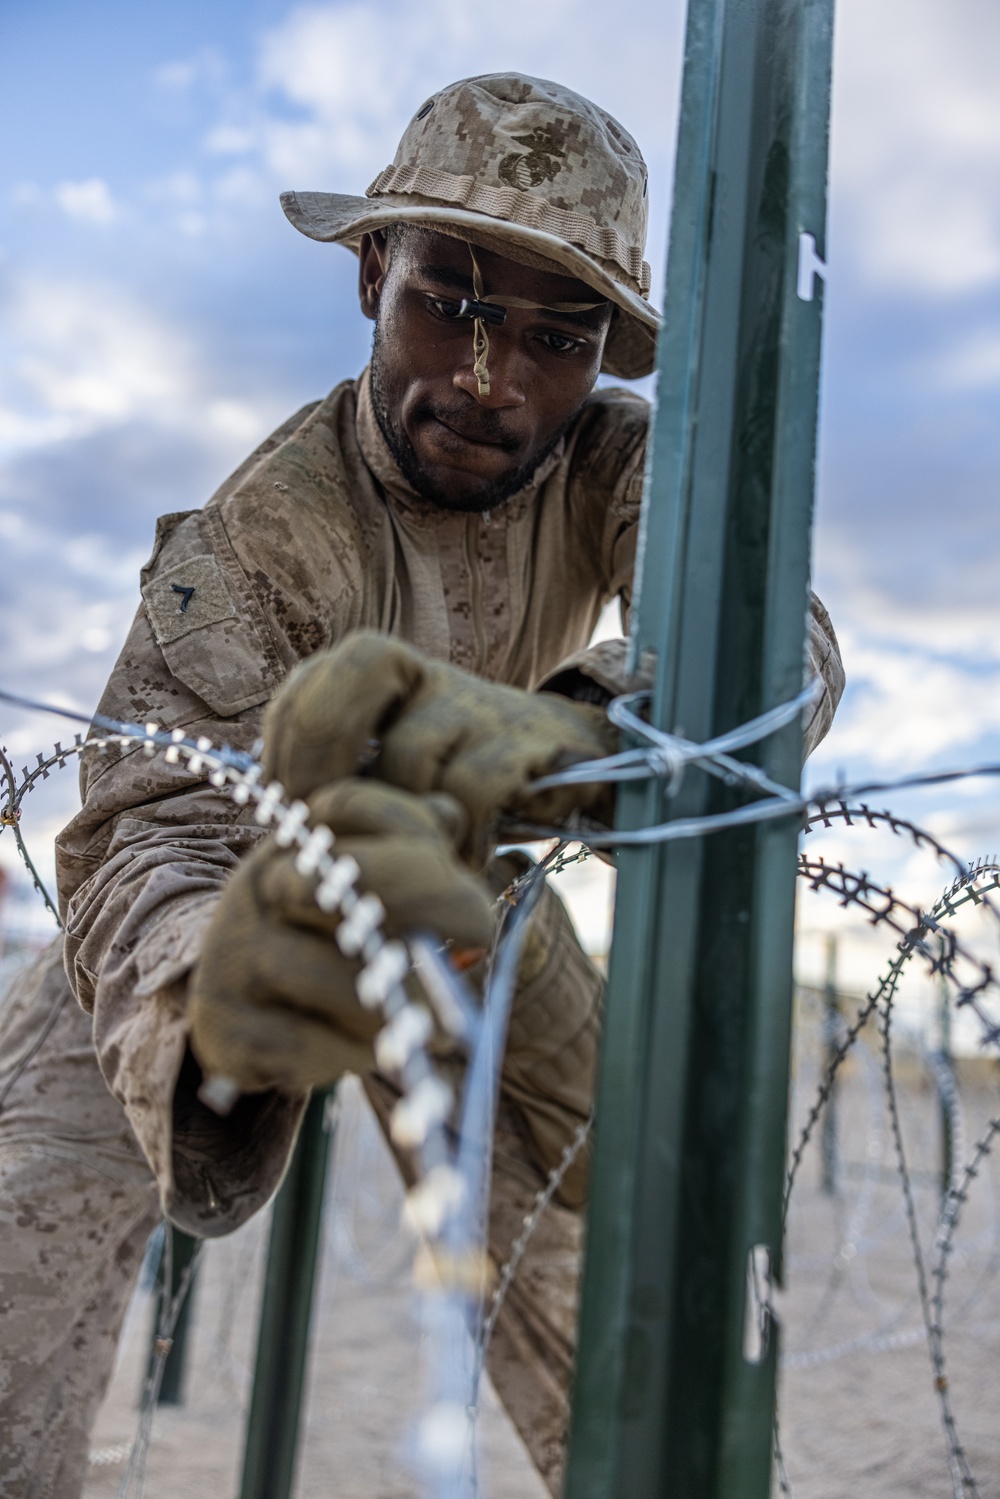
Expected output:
(315, 535)
(77, 1203)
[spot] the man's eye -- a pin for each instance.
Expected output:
(561, 343)
(442, 307)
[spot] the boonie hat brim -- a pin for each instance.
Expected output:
(338, 218)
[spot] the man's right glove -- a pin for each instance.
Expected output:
(273, 1000)
(439, 729)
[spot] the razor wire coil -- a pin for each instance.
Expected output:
(426, 1103)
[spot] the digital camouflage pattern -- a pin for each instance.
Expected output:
(77, 1204)
(315, 535)
(525, 167)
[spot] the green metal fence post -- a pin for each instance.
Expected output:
(831, 1041)
(283, 1338)
(670, 1401)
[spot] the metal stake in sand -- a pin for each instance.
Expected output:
(283, 1337)
(678, 1346)
(831, 1046)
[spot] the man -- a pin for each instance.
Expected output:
(472, 496)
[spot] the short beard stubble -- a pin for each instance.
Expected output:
(477, 501)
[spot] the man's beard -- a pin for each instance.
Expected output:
(487, 495)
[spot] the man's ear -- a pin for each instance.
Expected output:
(373, 262)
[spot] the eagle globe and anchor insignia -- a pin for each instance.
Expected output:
(539, 163)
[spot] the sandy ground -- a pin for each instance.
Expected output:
(858, 1408)
(859, 1414)
(365, 1375)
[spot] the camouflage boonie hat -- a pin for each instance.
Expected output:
(525, 168)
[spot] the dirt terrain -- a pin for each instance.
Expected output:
(859, 1412)
(365, 1374)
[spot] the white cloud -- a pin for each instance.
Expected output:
(193, 225)
(331, 98)
(916, 132)
(229, 140)
(93, 353)
(90, 202)
(358, 96)
(323, 58)
(961, 631)
(238, 420)
(909, 709)
(923, 692)
(87, 357)
(239, 187)
(183, 194)
(176, 77)
(96, 638)
(916, 142)
(923, 688)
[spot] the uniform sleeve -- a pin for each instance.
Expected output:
(598, 674)
(607, 474)
(141, 867)
(233, 597)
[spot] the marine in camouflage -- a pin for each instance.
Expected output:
(315, 535)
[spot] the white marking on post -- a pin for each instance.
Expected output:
(810, 266)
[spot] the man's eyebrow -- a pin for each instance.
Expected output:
(590, 319)
(448, 276)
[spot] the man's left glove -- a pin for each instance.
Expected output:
(273, 1001)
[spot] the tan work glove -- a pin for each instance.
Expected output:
(439, 729)
(273, 1002)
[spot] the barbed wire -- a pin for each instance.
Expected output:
(168, 1314)
(13, 793)
(860, 813)
(529, 1223)
(883, 908)
(962, 1478)
(435, 1205)
(955, 1201)
(443, 1204)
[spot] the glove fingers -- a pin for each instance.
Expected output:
(275, 1048)
(424, 888)
(422, 742)
(484, 744)
(310, 975)
(419, 881)
(489, 779)
(317, 726)
(354, 807)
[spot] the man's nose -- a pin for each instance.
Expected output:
(506, 372)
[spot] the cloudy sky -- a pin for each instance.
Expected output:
(159, 316)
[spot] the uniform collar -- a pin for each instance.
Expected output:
(375, 452)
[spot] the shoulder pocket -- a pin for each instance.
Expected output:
(186, 597)
(206, 620)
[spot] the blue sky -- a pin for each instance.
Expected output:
(159, 316)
